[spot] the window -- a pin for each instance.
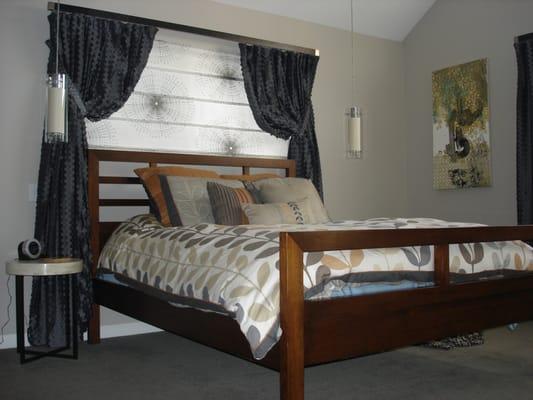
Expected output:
(190, 99)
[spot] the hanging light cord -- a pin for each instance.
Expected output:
(353, 50)
(57, 37)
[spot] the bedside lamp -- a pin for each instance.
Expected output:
(56, 119)
(353, 133)
(353, 120)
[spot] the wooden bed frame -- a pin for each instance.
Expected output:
(359, 325)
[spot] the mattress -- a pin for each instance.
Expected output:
(235, 269)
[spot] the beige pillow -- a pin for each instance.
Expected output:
(292, 212)
(284, 190)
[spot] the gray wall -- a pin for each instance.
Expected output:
(453, 32)
(373, 186)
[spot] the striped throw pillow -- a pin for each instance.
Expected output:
(226, 203)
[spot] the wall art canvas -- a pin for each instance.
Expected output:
(461, 143)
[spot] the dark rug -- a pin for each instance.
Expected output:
(450, 343)
(164, 366)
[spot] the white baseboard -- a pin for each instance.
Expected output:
(107, 331)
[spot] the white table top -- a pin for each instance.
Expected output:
(44, 267)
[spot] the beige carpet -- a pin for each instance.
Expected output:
(164, 366)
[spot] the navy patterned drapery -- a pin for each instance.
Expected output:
(524, 129)
(103, 60)
(278, 85)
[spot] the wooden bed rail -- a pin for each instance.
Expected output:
(298, 319)
(383, 238)
(132, 156)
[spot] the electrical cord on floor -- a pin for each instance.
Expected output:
(8, 309)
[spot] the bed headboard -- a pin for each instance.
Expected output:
(100, 230)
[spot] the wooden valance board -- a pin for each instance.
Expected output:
(52, 6)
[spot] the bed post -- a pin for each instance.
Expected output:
(292, 319)
(442, 264)
(94, 215)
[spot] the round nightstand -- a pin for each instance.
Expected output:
(44, 267)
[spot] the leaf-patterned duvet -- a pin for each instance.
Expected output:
(235, 268)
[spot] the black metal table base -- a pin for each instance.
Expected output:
(70, 322)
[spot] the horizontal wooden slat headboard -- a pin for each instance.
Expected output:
(100, 231)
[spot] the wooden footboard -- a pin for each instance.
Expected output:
(374, 323)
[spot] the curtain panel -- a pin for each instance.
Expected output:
(103, 60)
(524, 129)
(278, 84)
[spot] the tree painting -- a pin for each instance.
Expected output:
(461, 145)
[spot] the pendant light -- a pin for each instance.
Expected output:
(353, 114)
(56, 118)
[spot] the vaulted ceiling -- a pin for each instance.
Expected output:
(389, 19)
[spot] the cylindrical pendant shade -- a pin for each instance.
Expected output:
(353, 133)
(56, 122)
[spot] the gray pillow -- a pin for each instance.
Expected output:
(187, 200)
(284, 190)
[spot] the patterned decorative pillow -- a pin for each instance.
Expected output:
(284, 190)
(150, 179)
(187, 200)
(292, 212)
(226, 203)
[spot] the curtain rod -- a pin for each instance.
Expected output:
(52, 6)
